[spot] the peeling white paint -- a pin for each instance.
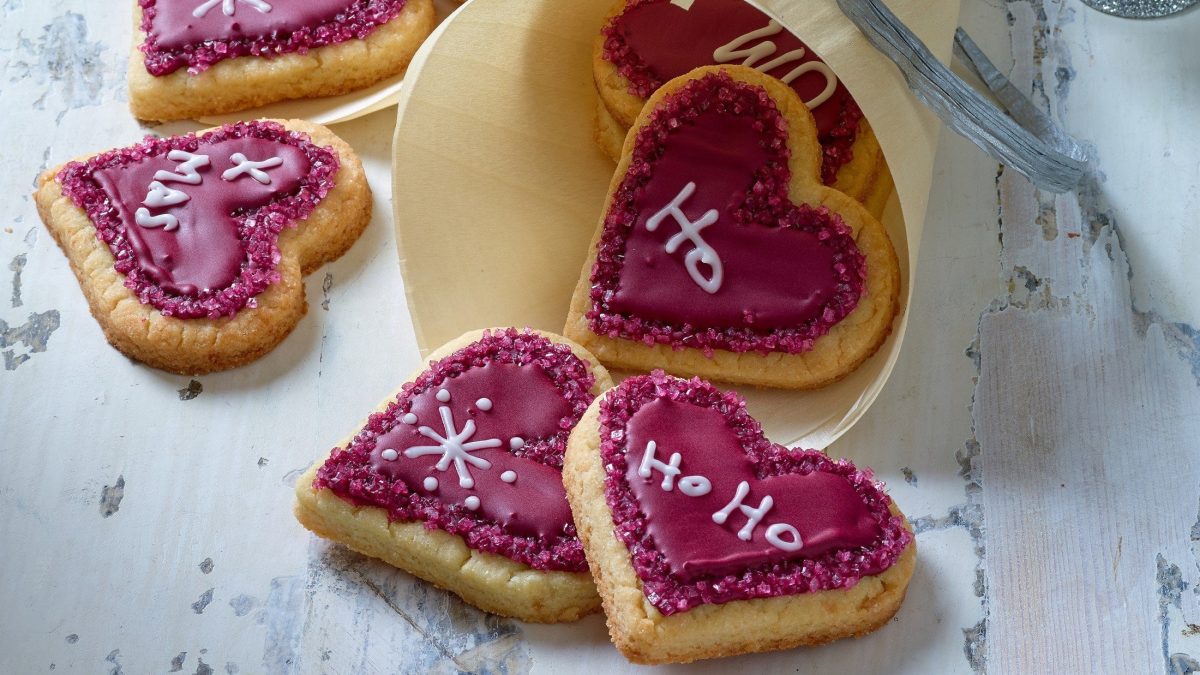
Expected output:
(1045, 408)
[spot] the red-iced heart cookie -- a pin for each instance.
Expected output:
(680, 500)
(469, 455)
(198, 33)
(187, 217)
(193, 229)
(720, 253)
(353, 43)
(645, 43)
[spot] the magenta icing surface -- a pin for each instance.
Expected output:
(538, 390)
(823, 507)
(682, 556)
(176, 38)
(653, 41)
(224, 251)
(205, 252)
(791, 271)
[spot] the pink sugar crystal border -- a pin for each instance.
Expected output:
(258, 229)
(356, 22)
(643, 81)
(348, 472)
(838, 569)
(767, 201)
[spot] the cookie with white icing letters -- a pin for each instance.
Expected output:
(191, 250)
(645, 43)
(707, 540)
(721, 254)
(456, 478)
(193, 58)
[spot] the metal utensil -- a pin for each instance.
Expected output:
(1021, 136)
(1140, 9)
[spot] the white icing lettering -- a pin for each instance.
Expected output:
(245, 166)
(812, 67)
(228, 7)
(794, 543)
(443, 395)
(695, 486)
(484, 404)
(472, 502)
(509, 476)
(166, 221)
(455, 446)
(160, 196)
(735, 49)
(389, 455)
(186, 172)
(516, 443)
(689, 231)
(698, 486)
(650, 462)
(692, 486)
(754, 515)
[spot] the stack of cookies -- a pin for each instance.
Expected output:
(644, 43)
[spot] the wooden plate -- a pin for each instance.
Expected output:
(498, 188)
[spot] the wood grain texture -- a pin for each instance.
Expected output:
(1040, 427)
(1087, 407)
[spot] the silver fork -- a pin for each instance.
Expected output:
(1020, 136)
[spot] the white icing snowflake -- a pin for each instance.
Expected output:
(454, 445)
(228, 7)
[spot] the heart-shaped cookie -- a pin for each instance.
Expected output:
(457, 478)
(708, 540)
(721, 254)
(645, 43)
(188, 249)
(265, 50)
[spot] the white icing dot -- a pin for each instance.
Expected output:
(389, 454)
(516, 443)
(431, 483)
(409, 418)
(472, 502)
(509, 476)
(443, 395)
(484, 404)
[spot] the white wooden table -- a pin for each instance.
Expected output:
(1041, 428)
